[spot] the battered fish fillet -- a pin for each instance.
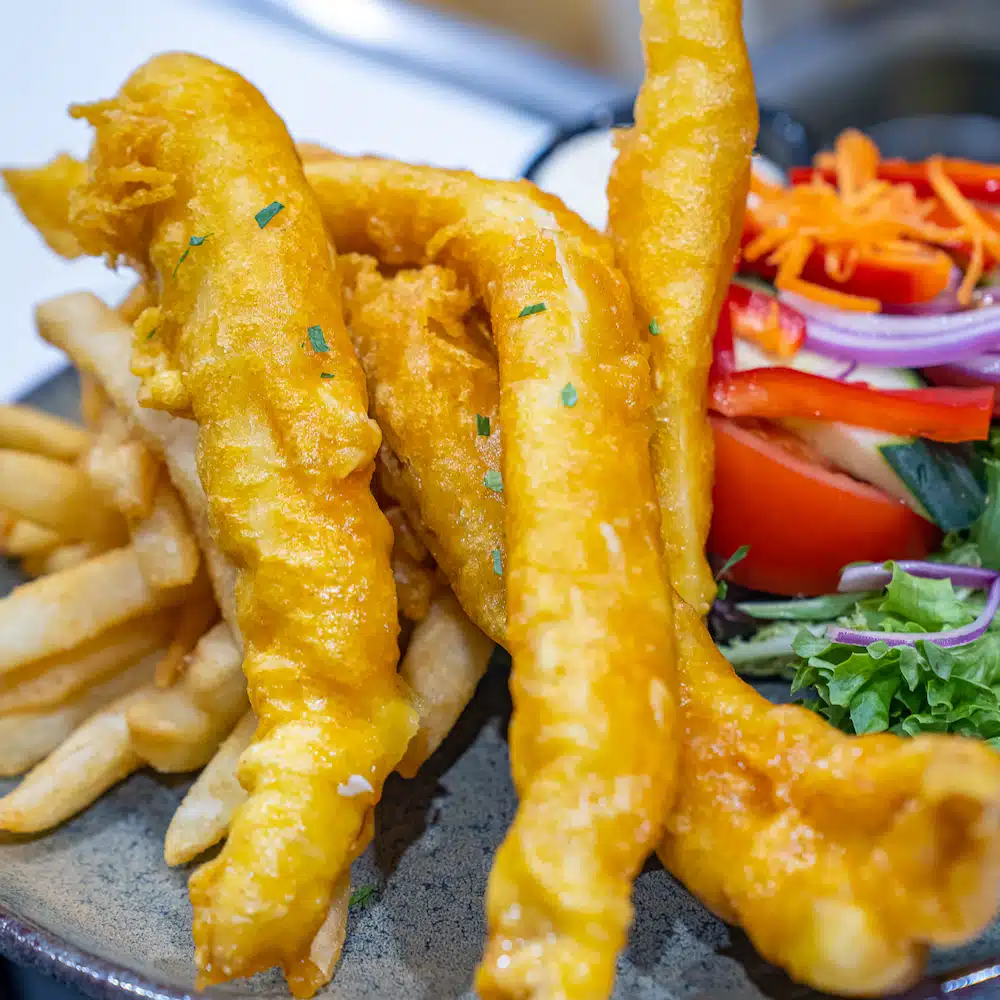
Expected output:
(427, 374)
(590, 618)
(676, 198)
(842, 857)
(248, 325)
(854, 853)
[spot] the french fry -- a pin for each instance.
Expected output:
(7, 522)
(138, 299)
(202, 818)
(60, 558)
(123, 470)
(195, 619)
(167, 549)
(444, 662)
(59, 679)
(23, 428)
(100, 344)
(93, 401)
(25, 538)
(411, 569)
(63, 610)
(58, 497)
(446, 659)
(26, 738)
(180, 728)
(96, 756)
(308, 975)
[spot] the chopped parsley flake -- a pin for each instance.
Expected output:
(363, 895)
(265, 215)
(195, 241)
(538, 307)
(326, 375)
(152, 333)
(654, 327)
(482, 425)
(493, 481)
(317, 339)
(569, 394)
(497, 562)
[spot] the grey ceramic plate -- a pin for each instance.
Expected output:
(93, 903)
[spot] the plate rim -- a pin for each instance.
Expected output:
(25, 943)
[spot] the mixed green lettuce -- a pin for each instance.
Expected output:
(901, 689)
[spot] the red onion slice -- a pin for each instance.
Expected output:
(882, 325)
(918, 351)
(872, 576)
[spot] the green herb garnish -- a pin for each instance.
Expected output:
(326, 375)
(364, 895)
(569, 395)
(654, 327)
(152, 333)
(317, 339)
(738, 556)
(195, 241)
(906, 689)
(265, 215)
(497, 562)
(538, 307)
(482, 425)
(493, 481)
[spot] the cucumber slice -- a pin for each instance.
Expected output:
(940, 476)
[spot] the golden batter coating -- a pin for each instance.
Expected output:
(248, 337)
(842, 857)
(427, 372)
(589, 611)
(676, 198)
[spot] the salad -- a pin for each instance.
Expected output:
(851, 398)
(852, 394)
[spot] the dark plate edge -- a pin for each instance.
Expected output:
(27, 944)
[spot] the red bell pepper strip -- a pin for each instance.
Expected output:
(774, 393)
(757, 316)
(977, 181)
(723, 351)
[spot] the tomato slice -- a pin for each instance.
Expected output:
(802, 519)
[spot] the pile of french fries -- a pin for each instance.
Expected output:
(122, 651)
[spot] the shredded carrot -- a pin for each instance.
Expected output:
(830, 296)
(863, 216)
(856, 160)
(978, 229)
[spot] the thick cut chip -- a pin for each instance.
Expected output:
(23, 428)
(28, 737)
(98, 341)
(57, 496)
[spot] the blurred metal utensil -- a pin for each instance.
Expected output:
(475, 58)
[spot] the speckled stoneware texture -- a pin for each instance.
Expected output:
(93, 903)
